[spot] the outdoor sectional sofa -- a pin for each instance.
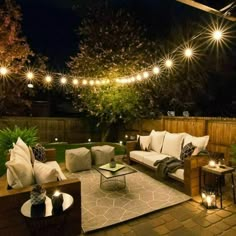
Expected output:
(12, 222)
(149, 149)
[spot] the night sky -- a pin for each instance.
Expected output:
(49, 25)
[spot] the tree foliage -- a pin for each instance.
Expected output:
(112, 45)
(14, 54)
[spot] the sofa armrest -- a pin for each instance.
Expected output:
(51, 154)
(130, 146)
(192, 167)
(13, 223)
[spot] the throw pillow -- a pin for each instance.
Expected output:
(39, 153)
(199, 142)
(172, 144)
(144, 142)
(44, 173)
(19, 171)
(157, 138)
(187, 151)
(22, 149)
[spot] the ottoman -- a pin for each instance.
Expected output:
(78, 159)
(102, 154)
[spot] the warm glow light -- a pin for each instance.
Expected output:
(48, 78)
(138, 77)
(156, 70)
(145, 74)
(57, 193)
(97, 82)
(168, 63)
(217, 35)
(188, 52)
(103, 81)
(75, 82)
(30, 85)
(63, 80)
(29, 75)
(91, 82)
(132, 79)
(84, 82)
(212, 163)
(3, 70)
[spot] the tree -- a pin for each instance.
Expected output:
(14, 54)
(112, 45)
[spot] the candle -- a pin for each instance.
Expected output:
(57, 201)
(212, 163)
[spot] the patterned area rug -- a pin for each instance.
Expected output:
(111, 205)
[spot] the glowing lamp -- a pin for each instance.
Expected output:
(89, 140)
(30, 85)
(84, 82)
(208, 196)
(212, 164)
(75, 82)
(138, 77)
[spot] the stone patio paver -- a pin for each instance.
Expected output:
(213, 218)
(174, 224)
(223, 213)
(161, 230)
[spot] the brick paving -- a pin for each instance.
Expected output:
(186, 219)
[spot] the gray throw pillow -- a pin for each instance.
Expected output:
(187, 151)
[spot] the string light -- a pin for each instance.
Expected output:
(48, 78)
(168, 63)
(29, 75)
(156, 70)
(188, 52)
(216, 33)
(63, 80)
(3, 70)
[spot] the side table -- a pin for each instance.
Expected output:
(40, 218)
(219, 173)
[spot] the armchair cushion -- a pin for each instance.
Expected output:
(39, 153)
(144, 142)
(187, 151)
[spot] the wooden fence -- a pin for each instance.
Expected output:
(71, 130)
(222, 131)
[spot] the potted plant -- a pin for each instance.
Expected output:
(9, 136)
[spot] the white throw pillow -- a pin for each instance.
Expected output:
(157, 138)
(44, 173)
(199, 142)
(145, 142)
(20, 143)
(19, 171)
(172, 144)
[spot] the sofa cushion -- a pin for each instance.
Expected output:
(178, 175)
(44, 173)
(151, 159)
(19, 171)
(157, 138)
(199, 142)
(144, 142)
(55, 165)
(172, 144)
(187, 151)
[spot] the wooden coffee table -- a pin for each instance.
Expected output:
(114, 179)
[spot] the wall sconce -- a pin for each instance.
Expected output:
(209, 198)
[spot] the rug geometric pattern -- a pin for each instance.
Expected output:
(142, 195)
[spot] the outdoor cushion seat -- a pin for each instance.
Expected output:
(78, 159)
(102, 154)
